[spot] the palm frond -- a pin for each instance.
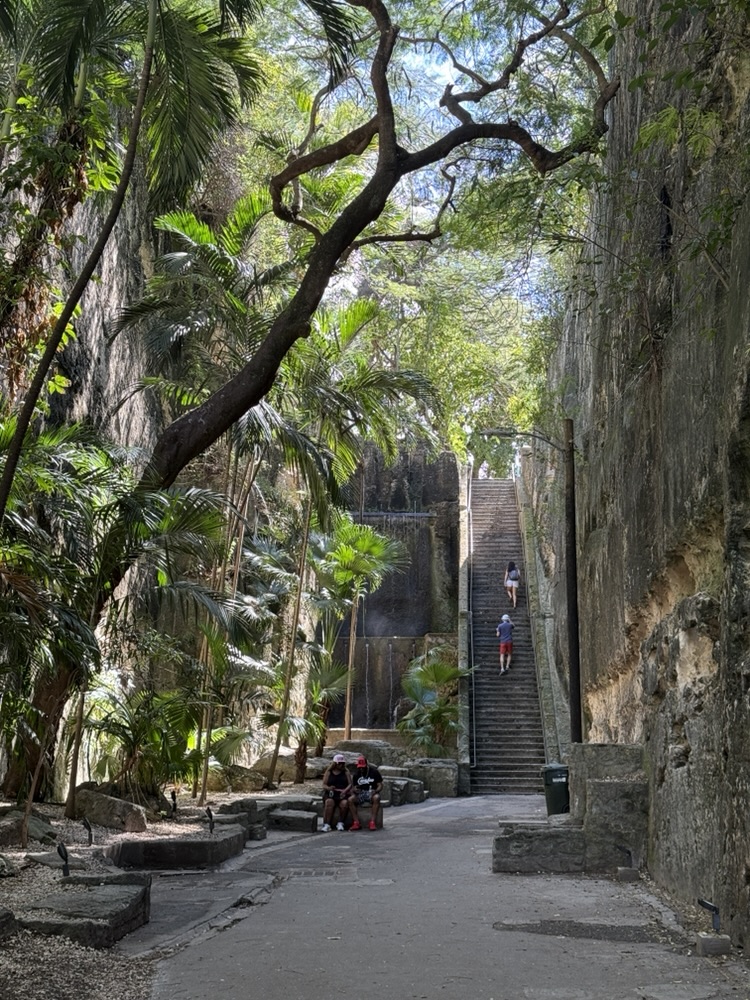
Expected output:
(339, 24)
(198, 73)
(242, 224)
(69, 34)
(240, 12)
(8, 13)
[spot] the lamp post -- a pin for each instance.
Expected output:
(571, 563)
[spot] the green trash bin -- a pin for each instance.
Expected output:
(556, 790)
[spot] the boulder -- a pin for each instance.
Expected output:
(10, 829)
(7, 868)
(317, 766)
(439, 777)
(531, 847)
(388, 771)
(286, 765)
(307, 803)
(414, 790)
(8, 925)
(227, 819)
(293, 819)
(115, 814)
(398, 790)
(234, 778)
(99, 911)
(176, 852)
(247, 806)
(155, 803)
(51, 859)
(246, 779)
(217, 780)
(377, 752)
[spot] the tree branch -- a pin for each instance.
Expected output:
(453, 101)
(412, 236)
(353, 143)
(193, 432)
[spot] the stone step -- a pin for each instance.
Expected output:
(293, 819)
(507, 780)
(507, 728)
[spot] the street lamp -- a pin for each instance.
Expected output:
(571, 563)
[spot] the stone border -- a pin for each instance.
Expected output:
(177, 852)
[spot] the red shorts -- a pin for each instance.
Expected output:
(506, 647)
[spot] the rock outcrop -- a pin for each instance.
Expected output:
(654, 366)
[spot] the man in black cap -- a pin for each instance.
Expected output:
(367, 782)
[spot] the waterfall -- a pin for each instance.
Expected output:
(367, 685)
(390, 681)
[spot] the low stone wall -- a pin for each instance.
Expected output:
(391, 736)
(111, 907)
(606, 829)
(196, 852)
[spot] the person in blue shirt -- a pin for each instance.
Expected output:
(505, 635)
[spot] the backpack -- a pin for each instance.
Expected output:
(514, 575)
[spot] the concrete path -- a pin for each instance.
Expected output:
(413, 911)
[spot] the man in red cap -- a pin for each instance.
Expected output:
(367, 782)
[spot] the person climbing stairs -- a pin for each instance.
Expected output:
(507, 734)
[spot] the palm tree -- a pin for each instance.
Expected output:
(44, 623)
(431, 683)
(194, 71)
(141, 740)
(75, 521)
(357, 563)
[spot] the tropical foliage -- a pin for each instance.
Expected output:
(431, 684)
(286, 324)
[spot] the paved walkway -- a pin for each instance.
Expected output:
(413, 911)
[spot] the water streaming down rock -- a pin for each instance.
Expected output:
(415, 502)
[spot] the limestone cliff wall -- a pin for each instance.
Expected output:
(103, 368)
(654, 372)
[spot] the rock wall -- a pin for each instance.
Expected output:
(414, 500)
(654, 371)
(101, 368)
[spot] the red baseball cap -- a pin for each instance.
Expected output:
(361, 761)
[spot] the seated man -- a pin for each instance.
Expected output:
(337, 786)
(367, 784)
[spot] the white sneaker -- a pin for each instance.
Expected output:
(326, 828)
(339, 826)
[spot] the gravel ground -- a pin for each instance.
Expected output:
(39, 967)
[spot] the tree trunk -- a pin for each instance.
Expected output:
(300, 762)
(350, 667)
(48, 704)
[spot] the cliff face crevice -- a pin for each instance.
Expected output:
(654, 364)
(103, 368)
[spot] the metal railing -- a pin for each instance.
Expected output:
(470, 621)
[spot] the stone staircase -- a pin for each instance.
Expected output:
(507, 730)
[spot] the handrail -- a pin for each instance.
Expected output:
(550, 753)
(470, 623)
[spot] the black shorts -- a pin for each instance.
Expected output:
(333, 794)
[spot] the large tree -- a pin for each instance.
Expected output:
(499, 109)
(487, 113)
(470, 116)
